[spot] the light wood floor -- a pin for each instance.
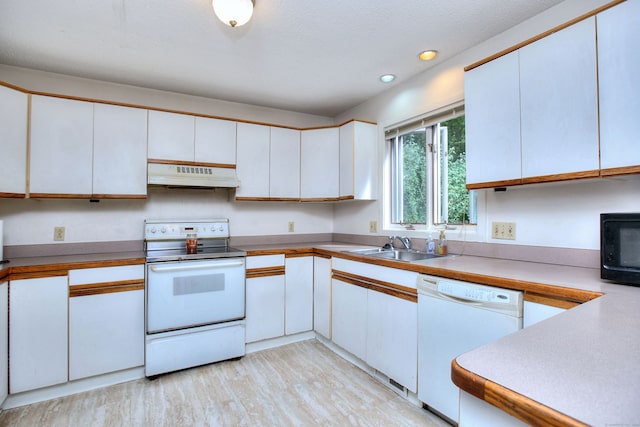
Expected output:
(300, 384)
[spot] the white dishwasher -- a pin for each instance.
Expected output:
(455, 317)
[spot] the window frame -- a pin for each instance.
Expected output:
(426, 121)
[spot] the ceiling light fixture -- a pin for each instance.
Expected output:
(387, 78)
(427, 55)
(234, 13)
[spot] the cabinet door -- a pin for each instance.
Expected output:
(4, 341)
(534, 312)
(492, 121)
(284, 182)
(265, 308)
(619, 85)
(171, 136)
(61, 146)
(106, 333)
(215, 141)
(349, 317)
(38, 338)
(253, 161)
(319, 164)
(559, 104)
(298, 312)
(358, 161)
(13, 134)
(322, 296)
(119, 150)
(392, 337)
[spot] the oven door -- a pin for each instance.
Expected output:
(182, 294)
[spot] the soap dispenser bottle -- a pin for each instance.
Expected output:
(431, 245)
(442, 244)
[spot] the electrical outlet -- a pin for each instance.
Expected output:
(373, 226)
(58, 234)
(503, 230)
(291, 226)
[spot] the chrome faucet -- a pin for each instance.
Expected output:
(406, 241)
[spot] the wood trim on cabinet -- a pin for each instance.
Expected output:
(594, 173)
(266, 199)
(550, 301)
(252, 273)
(521, 407)
(299, 253)
(59, 196)
(189, 163)
(494, 184)
(12, 195)
(167, 110)
(120, 196)
(343, 198)
(37, 274)
(543, 35)
(624, 170)
(321, 199)
(399, 291)
(105, 288)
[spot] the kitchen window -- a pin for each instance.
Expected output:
(426, 172)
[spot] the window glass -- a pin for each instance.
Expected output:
(428, 175)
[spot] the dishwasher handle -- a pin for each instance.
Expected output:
(496, 299)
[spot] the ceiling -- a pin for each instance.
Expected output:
(318, 57)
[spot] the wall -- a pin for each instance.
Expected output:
(558, 215)
(28, 222)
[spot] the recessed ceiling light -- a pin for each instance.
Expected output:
(427, 55)
(387, 78)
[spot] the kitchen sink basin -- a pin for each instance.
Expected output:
(394, 254)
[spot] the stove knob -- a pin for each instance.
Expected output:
(153, 229)
(163, 230)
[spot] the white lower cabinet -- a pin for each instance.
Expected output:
(534, 312)
(475, 412)
(106, 333)
(392, 343)
(4, 341)
(264, 297)
(38, 333)
(349, 317)
(298, 309)
(377, 326)
(322, 296)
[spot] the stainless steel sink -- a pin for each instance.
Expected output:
(407, 255)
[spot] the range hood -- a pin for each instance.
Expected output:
(174, 175)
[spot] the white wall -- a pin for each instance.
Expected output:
(560, 215)
(32, 221)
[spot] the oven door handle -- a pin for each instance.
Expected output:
(199, 266)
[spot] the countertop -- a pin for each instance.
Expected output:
(580, 367)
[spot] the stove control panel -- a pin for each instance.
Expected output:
(171, 230)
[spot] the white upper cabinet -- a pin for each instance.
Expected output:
(358, 161)
(559, 102)
(319, 163)
(185, 138)
(215, 141)
(81, 149)
(171, 136)
(13, 134)
(61, 153)
(253, 151)
(619, 85)
(284, 182)
(119, 150)
(492, 121)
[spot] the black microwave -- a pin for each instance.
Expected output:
(620, 247)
